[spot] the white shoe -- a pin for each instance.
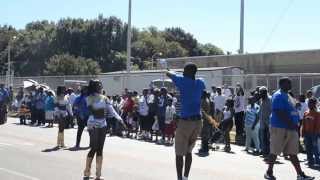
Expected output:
(184, 178)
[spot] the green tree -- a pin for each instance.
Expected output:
(186, 40)
(66, 64)
(210, 49)
(102, 40)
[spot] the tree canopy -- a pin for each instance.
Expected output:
(57, 48)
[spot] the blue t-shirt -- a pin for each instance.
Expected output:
(40, 101)
(282, 101)
(190, 95)
(80, 107)
(162, 105)
(3, 95)
(251, 115)
(49, 103)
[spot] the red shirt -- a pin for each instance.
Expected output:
(311, 122)
(128, 105)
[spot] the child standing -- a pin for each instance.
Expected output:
(251, 125)
(23, 113)
(310, 130)
(169, 123)
(227, 123)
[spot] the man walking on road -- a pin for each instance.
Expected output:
(284, 129)
(189, 124)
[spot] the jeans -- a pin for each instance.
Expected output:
(239, 122)
(205, 135)
(311, 143)
(265, 140)
(82, 122)
(252, 135)
(226, 127)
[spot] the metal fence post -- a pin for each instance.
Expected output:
(267, 76)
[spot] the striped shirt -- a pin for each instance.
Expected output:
(178, 103)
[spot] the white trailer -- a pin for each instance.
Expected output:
(115, 82)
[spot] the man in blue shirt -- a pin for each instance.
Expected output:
(40, 106)
(189, 124)
(284, 129)
(81, 112)
(4, 98)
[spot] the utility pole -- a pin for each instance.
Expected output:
(241, 27)
(128, 46)
(129, 39)
(9, 65)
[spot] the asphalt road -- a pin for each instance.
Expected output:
(26, 153)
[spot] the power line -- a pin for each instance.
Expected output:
(276, 25)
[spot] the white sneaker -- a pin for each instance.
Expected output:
(184, 178)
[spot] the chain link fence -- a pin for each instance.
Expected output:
(300, 82)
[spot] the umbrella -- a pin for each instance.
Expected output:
(29, 83)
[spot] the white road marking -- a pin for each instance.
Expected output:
(17, 144)
(5, 144)
(18, 174)
(27, 144)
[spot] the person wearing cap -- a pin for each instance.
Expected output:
(189, 125)
(284, 127)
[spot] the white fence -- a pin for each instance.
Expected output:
(300, 82)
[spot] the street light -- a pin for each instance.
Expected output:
(153, 58)
(241, 50)
(9, 79)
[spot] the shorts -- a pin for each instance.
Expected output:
(186, 136)
(284, 141)
(49, 115)
(61, 114)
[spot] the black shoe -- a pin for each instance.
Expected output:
(227, 148)
(302, 176)
(269, 176)
(203, 152)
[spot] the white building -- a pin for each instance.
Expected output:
(115, 82)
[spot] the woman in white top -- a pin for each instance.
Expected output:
(62, 107)
(239, 107)
(227, 123)
(99, 107)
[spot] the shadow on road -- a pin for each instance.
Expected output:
(51, 149)
(78, 148)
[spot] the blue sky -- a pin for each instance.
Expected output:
(213, 21)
